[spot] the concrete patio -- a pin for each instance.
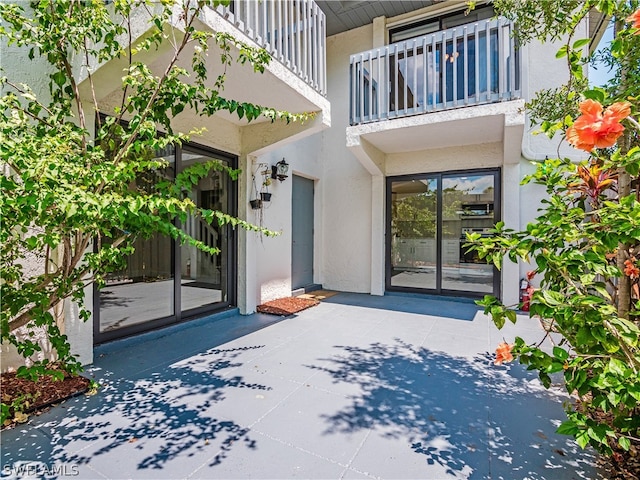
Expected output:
(358, 387)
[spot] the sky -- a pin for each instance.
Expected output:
(600, 76)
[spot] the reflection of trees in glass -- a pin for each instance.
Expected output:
(455, 200)
(452, 202)
(415, 216)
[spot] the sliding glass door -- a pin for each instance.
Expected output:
(204, 275)
(428, 218)
(413, 233)
(164, 282)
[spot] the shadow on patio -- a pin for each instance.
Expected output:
(347, 389)
(148, 421)
(470, 417)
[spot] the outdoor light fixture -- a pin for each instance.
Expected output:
(279, 170)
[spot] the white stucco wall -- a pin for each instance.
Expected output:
(343, 197)
(271, 269)
(487, 155)
(542, 70)
(346, 185)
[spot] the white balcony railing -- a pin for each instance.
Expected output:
(463, 66)
(292, 31)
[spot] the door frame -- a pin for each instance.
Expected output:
(496, 286)
(232, 262)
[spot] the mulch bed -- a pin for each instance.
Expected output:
(622, 465)
(287, 306)
(35, 397)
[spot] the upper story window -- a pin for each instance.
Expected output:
(425, 27)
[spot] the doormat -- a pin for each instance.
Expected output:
(318, 294)
(287, 306)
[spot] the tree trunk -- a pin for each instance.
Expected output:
(624, 190)
(624, 284)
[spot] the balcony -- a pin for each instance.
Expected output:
(293, 32)
(468, 65)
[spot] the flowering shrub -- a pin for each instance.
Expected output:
(586, 240)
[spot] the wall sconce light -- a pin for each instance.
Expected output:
(280, 170)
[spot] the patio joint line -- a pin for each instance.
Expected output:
(335, 462)
(355, 454)
(250, 426)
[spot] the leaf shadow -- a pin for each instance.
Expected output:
(462, 413)
(164, 415)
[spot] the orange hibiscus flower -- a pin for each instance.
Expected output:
(503, 353)
(595, 129)
(630, 268)
(634, 19)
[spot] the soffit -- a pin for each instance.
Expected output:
(345, 15)
(449, 128)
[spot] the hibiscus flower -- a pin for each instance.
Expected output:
(503, 353)
(630, 268)
(595, 129)
(634, 19)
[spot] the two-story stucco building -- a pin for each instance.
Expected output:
(419, 137)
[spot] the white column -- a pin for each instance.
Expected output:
(511, 218)
(513, 131)
(247, 248)
(377, 235)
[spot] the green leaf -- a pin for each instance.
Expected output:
(581, 43)
(617, 367)
(560, 353)
(624, 443)
(59, 78)
(632, 168)
(562, 52)
(634, 391)
(584, 336)
(568, 427)
(552, 298)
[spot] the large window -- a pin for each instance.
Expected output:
(428, 219)
(164, 282)
(438, 73)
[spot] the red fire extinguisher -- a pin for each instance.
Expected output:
(526, 291)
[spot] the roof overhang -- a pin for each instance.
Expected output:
(501, 122)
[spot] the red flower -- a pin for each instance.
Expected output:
(630, 269)
(635, 19)
(593, 129)
(503, 353)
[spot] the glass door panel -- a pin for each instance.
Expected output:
(413, 233)
(143, 290)
(467, 206)
(204, 275)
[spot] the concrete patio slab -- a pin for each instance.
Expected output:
(358, 387)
